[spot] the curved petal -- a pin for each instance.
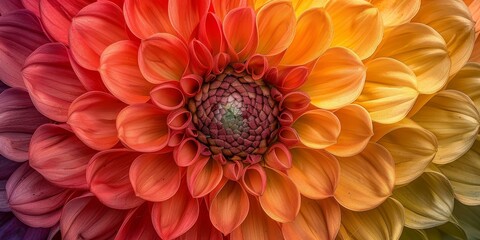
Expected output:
(203, 176)
(203, 228)
(32, 5)
(314, 172)
(357, 25)
(304, 5)
(467, 80)
(315, 135)
(355, 133)
(278, 157)
(289, 79)
(179, 119)
(366, 179)
(210, 32)
(254, 180)
(121, 74)
(428, 201)
(295, 102)
(143, 127)
(90, 79)
(336, 80)
(60, 156)
(202, 59)
(155, 177)
(409, 233)
(188, 152)
(318, 219)
(163, 57)
(454, 120)
(256, 66)
(397, 12)
(468, 218)
(240, 30)
(92, 118)
(10, 6)
(106, 176)
(448, 230)
(313, 35)
(186, 14)
(87, 36)
(422, 49)
(147, 17)
(222, 8)
(137, 225)
(229, 207)
(168, 96)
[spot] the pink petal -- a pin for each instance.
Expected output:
(50, 66)
(33, 6)
(60, 156)
(201, 58)
(279, 157)
(254, 180)
(7, 6)
(137, 225)
(188, 152)
(20, 35)
(241, 32)
(168, 96)
(211, 33)
(147, 17)
(14, 146)
(203, 176)
(186, 14)
(106, 175)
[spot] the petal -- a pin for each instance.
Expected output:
(186, 14)
(357, 25)
(143, 127)
(175, 216)
(240, 31)
(366, 179)
(121, 74)
(397, 12)
(33, 6)
(163, 57)
(49, 66)
(428, 201)
(422, 49)
(203, 228)
(314, 172)
(168, 96)
(106, 176)
(86, 217)
(155, 177)
(411, 156)
(60, 156)
(20, 35)
(145, 18)
(281, 199)
(313, 35)
(315, 135)
(278, 157)
(291, 78)
(7, 6)
(210, 32)
(222, 8)
(318, 219)
(355, 133)
(295, 102)
(304, 5)
(90, 79)
(14, 146)
(448, 230)
(179, 119)
(87, 36)
(92, 118)
(467, 80)
(454, 120)
(468, 218)
(475, 57)
(203, 176)
(229, 207)
(254, 180)
(188, 152)
(137, 225)
(409, 233)
(390, 90)
(384, 222)
(202, 59)
(336, 80)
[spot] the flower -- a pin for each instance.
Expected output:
(212, 119)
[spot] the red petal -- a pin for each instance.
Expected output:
(292, 78)
(222, 7)
(91, 80)
(186, 14)
(257, 66)
(201, 58)
(147, 17)
(241, 32)
(7, 6)
(137, 225)
(190, 84)
(295, 102)
(288, 136)
(233, 170)
(33, 6)
(168, 96)
(188, 152)
(211, 33)
(203, 228)
(203, 176)
(179, 119)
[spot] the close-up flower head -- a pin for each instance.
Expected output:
(239, 119)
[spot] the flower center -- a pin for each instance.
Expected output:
(235, 116)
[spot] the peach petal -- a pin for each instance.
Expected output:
(233, 170)
(191, 84)
(254, 180)
(256, 66)
(398, 12)
(92, 118)
(33, 199)
(91, 80)
(315, 135)
(290, 79)
(295, 102)
(240, 31)
(188, 152)
(281, 199)
(163, 57)
(222, 8)
(185, 15)
(147, 17)
(278, 157)
(229, 207)
(137, 225)
(210, 32)
(288, 136)
(201, 58)
(14, 146)
(314, 172)
(106, 173)
(86, 217)
(155, 177)
(121, 74)
(374, 168)
(203, 228)
(8, 6)
(60, 156)
(175, 216)
(46, 67)
(87, 36)
(179, 119)
(168, 96)
(475, 57)
(143, 127)
(203, 176)
(176, 137)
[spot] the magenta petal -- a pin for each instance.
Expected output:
(7, 6)
(33, 6)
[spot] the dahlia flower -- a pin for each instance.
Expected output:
(239, 119)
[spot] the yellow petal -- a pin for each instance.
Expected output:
(390, 90)
(355, 133)
(467, 80)
(453, 21)
(304, 5)
(468, 218)
(428, 201)
(412, 148)
(422, 49)
(314, 135)
(409, 234)
(384, 222)
(357, 26)
(396, 12)
(366, 179)
(313, 36)
(336, 80)
(454, 120)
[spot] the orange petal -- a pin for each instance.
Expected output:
(186, 14)
(314, 172)
(155, 177)
(316, 135)
(279, 157)
(203, 176)
(179, 120)
(374, 169)
(357, 25)
(147, 17)
(240, 31)
(168, 96)
(467, 80)
(397, 12)
(188, 152)
(304, 5)
(201, 58)
(290, 79)
(137, 225)
(318, 219)
(88, 37)
(355, 133)
(203, 228)
(295, 102)
(163, 57)
(229, 207)
(222, 8)
(254, 180)
(288, 136)
(281, 199)
(191, 84)
(256, 66)
(143, 127)
(121, 74)
(336, 80)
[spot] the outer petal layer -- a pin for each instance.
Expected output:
(315, 135)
